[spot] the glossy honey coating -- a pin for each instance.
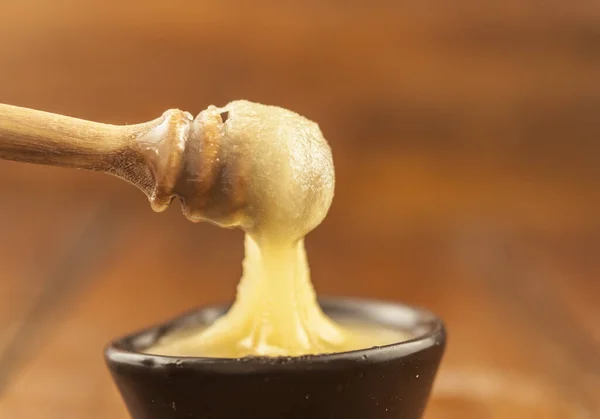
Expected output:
(269, 171)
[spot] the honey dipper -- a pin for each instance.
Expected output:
(171, 156)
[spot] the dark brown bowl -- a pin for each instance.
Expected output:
(392, 381)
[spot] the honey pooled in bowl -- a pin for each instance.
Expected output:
(288, 187)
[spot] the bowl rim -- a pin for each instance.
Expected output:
(118, 353)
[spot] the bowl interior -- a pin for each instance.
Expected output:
(421, 326)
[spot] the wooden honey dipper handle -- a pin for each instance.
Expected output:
(155, 156)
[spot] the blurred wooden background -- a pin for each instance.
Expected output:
(466, 137)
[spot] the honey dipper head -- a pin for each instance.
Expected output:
(262, 168)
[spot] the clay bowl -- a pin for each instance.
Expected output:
(392, 381)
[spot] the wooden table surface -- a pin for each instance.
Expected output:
(467, 147)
